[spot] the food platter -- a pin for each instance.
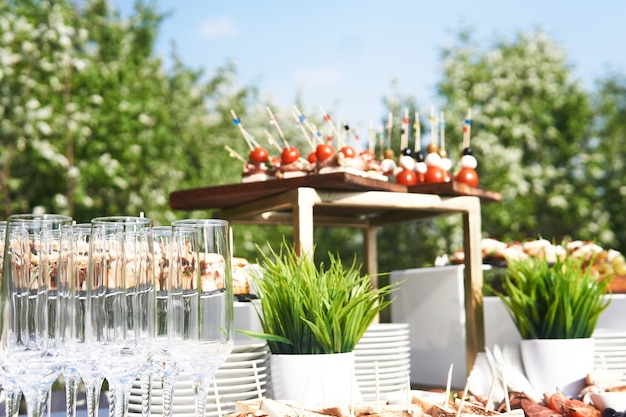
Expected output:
(229, 195)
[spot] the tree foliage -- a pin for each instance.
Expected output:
(92, 124)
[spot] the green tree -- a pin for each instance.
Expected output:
(532, 122)
(93, 125)
(604, 162)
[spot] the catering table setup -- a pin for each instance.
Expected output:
(178, 326)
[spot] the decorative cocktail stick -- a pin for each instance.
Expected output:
(448, 383)
(460, 410)
(330, 123)
(380, 143)
(404, 136)
(233, 154)
(442, 131)
(371, 137)
(245, 134)
(275, 123)
(433, 123)
(257, 380)
(272, 141)
(418, 133)
(467, 129)
(389, 129)
(316, 134)
(300, 125)
(507, 400)
(488, 401)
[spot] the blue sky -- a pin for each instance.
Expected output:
(342, 55)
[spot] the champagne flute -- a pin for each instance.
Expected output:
(12, 393)
(83, 360)
(163, 363)
(200, 301)
(121, 307)
(35, 284)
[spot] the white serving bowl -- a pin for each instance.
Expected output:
(615, 400)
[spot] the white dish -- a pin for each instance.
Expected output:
(359, 359)
(369, 365)
(381, 352)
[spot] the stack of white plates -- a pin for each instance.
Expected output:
(383, 360)
(610, 351)
(235, 380)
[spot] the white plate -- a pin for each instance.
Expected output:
(367, 365)
(398, 380)
(189, 406)
(383, 339)
(371, 371)
(382, 345)
(385, 327)
(254, 347)
(381, 352)
(360, 359)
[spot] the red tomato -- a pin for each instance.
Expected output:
(468, 176)
(368, 155)
(276, 162)
(434, 174)
(557, 401)
(289, 155)
(259, 155)
(324, 151)
(406, 177)
(348, 152)
(312, 158)
(577, 408)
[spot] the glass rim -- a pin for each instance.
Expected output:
(200, 222)
(121, 220)
(39, 218)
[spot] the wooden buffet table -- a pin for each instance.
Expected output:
(346, 200)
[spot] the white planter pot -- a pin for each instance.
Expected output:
(563, 364)
(312, 380)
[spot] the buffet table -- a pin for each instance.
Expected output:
(346, 200)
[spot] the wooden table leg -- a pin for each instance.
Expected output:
(302, 209)
(474, 319)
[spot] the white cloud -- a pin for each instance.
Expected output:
(218, 28)
(317, 77)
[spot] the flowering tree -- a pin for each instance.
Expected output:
(91, 122)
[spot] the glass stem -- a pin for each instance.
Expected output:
(36, 403)
(169, 385)
(92, 393)
(13, 401)
(199, 390)
(146, 392)
(71, 389)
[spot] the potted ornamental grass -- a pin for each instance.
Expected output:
(312, 318)
(555, 307)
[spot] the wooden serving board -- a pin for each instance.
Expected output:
(222, 196)
(228, 195)
(454, 188)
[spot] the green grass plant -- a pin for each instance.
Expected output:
(306, 309)
(560, 300)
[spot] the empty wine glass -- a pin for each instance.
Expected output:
(83, 361)
(200, 301)
(34, 286)
(164, 364)
(121, 306)
(12, 393)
